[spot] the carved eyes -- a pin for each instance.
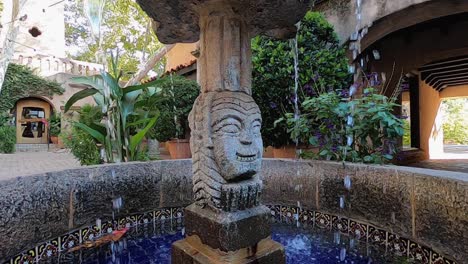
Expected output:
(256, 126)
(234, 127)
(231, 128)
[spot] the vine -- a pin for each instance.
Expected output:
(21, 82)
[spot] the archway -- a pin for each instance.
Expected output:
(30, 116)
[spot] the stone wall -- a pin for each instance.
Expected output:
(430, 207)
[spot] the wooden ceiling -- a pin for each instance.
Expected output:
(446, 73)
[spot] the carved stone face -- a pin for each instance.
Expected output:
(237, 142)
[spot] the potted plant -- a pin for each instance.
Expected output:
(322, 67)
(177, 97)
(54, 127)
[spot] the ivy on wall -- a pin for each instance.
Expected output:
(21, 82)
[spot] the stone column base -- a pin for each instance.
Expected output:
(192, 251)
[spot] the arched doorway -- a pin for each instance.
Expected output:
(31, 115)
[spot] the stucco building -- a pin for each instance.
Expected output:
(45, 55)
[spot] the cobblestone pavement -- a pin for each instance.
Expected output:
(29, 163)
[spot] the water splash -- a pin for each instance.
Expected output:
(337, 238)
(347, 182)
(342, 202)
(117, 203)
(342, 254)
(300, 243)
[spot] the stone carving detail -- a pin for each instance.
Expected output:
(226, 150)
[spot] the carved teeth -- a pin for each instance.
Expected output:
(246, 159)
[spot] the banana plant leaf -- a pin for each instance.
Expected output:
(136, 139)
(78, 96)
(94, 133)
(94, 81)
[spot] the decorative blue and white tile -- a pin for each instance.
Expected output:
(146, 218)
(377, 236)
(48, 249)
(108, 227)
(340, 224)
(162, 214)
(419, 253)
(358, 230)
(70, 240)
(306, 217)
(322, 220)
(90, 233)
(128, 221)
(436, 258)
(177, 212)
(397, 244)
(289, 213)
(276, 211)
(28, 257)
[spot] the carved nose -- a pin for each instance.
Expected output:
(246, 140)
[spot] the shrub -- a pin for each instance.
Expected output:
(175, 100)
(7, 139)
(360, 130)
(55, 124)
(82, 146)
(322, 67)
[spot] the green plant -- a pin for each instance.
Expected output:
(407, 133)
(360, 130)
(176, 99)
(7, 134)
(322, 67)
(82, 146)
(125, 123)
(456, 121)
(55, 124)
(21, 82)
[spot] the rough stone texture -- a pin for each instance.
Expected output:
(287, 183)
(441, 214)
(178, 21)
(176, 184)
(192, 251)
(435, 212)
(228, 231)
(41, 207)
(227, 150)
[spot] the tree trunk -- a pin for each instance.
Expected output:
(149, 65)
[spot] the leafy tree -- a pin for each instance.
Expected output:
(125, 28)
(322, 66)
(456, 121)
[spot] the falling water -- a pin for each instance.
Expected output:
(94, 10)
(172, 91)
(295, 52)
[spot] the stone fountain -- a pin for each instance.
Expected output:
(227, 223)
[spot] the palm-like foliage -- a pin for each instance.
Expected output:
(127, 115)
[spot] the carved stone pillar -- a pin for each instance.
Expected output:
(227, 223)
